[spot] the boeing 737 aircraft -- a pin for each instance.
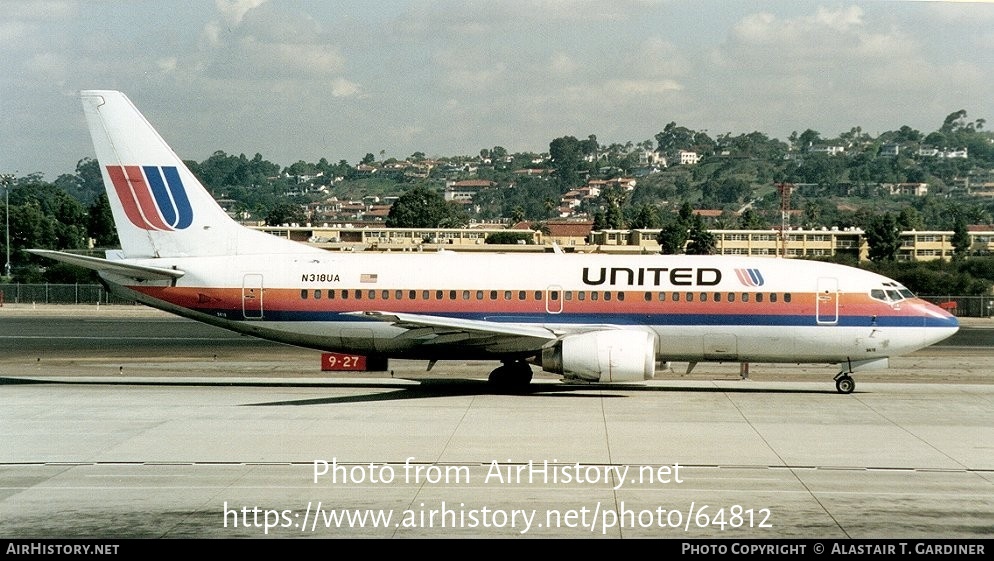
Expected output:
(594, 318)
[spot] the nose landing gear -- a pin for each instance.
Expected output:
(844, 383)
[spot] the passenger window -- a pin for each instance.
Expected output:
(303, 294)
(661, 296)
(493, 294)
(621, 296)
(581, 295)
(439, 295)
(538, 295)
(731, 296)
(676, 296)
(759, 297)
(317, 294)
(704, 297)
(372, 295)
(594, 295)
(358, 295)
(345, 294)
(786, 297)
(648, 297)
(507, 295)
(465, 295)
(452, 295)
(745, 296)
(607, 296)
(690, 297)
(568, 295)
(554, 295)
(773, 297)
(331, 294)
(522, 295)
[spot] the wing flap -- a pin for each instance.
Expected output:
(137, 272)
(449, 330)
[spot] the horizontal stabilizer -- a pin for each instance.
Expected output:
(138, 272)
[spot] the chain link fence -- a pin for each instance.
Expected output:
(963, 306)
(17, 293)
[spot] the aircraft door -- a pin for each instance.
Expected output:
(252, 292)
(554, 299)
(827, 301)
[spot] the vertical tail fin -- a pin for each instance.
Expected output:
(160, 208)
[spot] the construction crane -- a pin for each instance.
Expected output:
(784, 189)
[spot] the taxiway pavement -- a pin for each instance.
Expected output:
(127, 423)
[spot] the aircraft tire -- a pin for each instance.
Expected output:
(845, 384)
(511, 376)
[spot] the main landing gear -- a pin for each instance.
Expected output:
(844, 382)
(512, 374)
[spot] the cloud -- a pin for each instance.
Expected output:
(234, 11)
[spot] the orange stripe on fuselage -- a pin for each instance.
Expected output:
(632, 302)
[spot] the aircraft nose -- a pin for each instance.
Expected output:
(939, 324)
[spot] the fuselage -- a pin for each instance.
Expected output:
(701, 308)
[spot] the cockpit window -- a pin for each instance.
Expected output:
(892, 293)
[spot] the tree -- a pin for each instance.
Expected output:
(700, 241)
(285, 213)
(517, 215)
(101, 223)
(422, 207)
(672, 238)
(961, 239)
(674, 137)
(807, 139)
(751, 220)
(646, 217)
(613, 198)
(884, 238)
(910, 219)
(509, 237)
(565, 152)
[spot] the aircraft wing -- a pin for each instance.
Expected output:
(447, 330)
(138, 272)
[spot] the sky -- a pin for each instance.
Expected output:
(311, 79)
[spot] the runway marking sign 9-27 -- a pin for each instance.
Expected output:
(343, 362)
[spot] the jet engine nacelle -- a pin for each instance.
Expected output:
(611, 355)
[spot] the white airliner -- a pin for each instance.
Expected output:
(593, 318)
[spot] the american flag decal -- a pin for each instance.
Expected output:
(365, 277)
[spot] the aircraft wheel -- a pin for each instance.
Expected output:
(511, 376)
(845, 384)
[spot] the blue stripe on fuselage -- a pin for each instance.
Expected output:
(727, 320)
